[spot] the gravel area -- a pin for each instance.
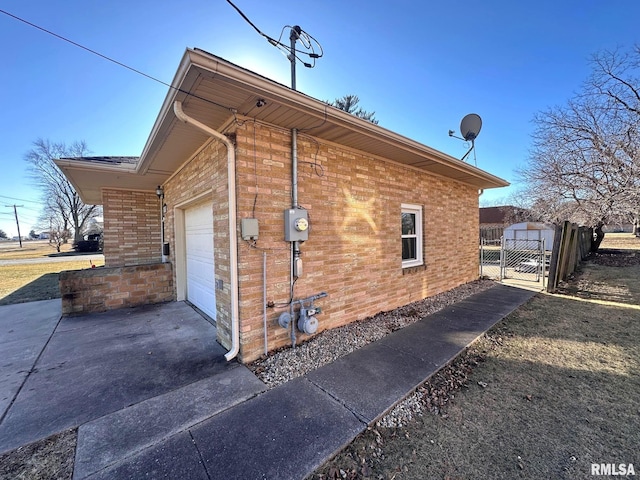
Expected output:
(328, 346)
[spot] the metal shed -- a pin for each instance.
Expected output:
(530, 231)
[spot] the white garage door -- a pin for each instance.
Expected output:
(201, 291)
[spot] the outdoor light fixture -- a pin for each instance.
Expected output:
(160, 191)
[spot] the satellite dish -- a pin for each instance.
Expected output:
(470, 126)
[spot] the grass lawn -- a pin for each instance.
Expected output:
(549, 391)
(32, 249)
(26, 282)
(625, 241)
(560, 394)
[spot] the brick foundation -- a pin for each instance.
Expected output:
(109, 288)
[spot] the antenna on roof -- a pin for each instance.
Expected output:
(291, 52)
(469, 128)
(297, 34)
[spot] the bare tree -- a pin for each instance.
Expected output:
(349, 103)
(64, 208)
(57, 228)
(585, 162)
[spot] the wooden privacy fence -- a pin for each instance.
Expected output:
(491, 233)
(571, 245)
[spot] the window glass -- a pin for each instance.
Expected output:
(408, 223)
(411, 236)
(408, 249)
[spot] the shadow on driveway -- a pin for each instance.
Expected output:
(61, 373)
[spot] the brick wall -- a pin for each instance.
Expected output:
(131, 227)
(354, 248)
(108, 288)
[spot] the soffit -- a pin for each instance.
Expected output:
(89, 179)
(213, 91)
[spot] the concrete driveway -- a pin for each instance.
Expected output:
(154, 398)
(60, 372)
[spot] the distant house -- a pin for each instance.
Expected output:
(620, 228)
(93, 230)
(493, 220)
(250, 197)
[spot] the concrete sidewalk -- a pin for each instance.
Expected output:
(225, 425)
(25, 329)
(64, 372)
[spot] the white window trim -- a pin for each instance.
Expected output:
(417, 211)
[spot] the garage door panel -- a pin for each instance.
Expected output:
(200, 261)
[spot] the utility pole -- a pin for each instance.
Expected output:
(15, 212)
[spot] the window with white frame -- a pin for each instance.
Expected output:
(411, 235)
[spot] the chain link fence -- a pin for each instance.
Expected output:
(518, 259)
(523, 259)
(490, 258)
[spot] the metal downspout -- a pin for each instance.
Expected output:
(233, 235)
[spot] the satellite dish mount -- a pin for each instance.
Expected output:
(469, 128)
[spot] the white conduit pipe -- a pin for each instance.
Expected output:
(233, 235)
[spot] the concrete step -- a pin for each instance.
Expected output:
(118, 436)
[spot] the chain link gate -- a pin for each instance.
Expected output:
(518, 259)
(490, 258)
(523, 259)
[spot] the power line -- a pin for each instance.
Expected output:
(105, 57)
(19, 199)
(22, 215)
(306, 39)
(31, 217)
(271, 40)
(80, 46)
(36, 211)
(31, 209)
(27, 219)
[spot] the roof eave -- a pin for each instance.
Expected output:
(197, 63)
(320, 109)
(89, 179)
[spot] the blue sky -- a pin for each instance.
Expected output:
(421, 66)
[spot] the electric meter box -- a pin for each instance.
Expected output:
(296, 225)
